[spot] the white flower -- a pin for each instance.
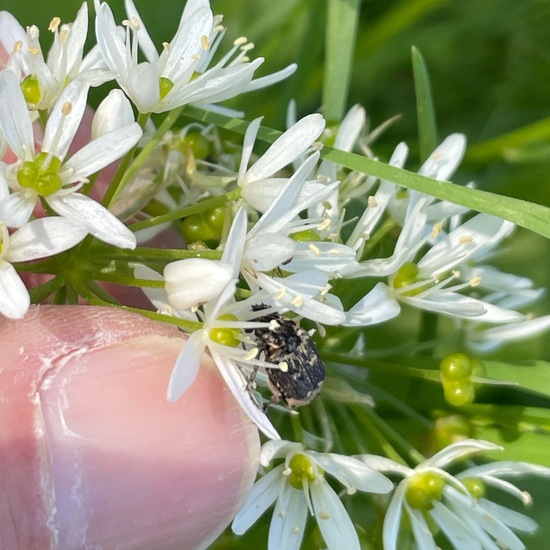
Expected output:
(35, 240)
(167, 81)
(47, 173)
(430, 496)
(298, 485)
(259, 186)
(223, 328)
(194, 281)
(44, 80)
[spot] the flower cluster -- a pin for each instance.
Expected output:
(288, 240)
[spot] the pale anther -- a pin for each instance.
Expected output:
(54, 24)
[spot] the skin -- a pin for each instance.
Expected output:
(91, 453)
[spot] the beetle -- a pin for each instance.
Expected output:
(300, 370)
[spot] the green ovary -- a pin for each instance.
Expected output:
(41, 174)
(408, 274)
(31, 89)
(302, 469)
(423, 489)
(226, 336)
(165, 85)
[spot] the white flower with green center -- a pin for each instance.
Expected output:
(178, 75)
(37, 239)
(43, 80)
(48, 173)
(297, 486)
(437, 503)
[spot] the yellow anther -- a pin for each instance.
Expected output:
(54, 24)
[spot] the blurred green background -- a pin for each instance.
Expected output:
(489, 63)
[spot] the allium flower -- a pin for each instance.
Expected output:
(169, 80)
(433, 499)
(47, 173)
(260, 186)
(297, 486)
(43, 80)
(37, 239)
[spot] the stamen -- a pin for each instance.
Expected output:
(465, 239)
(324, 515)
(166, 46)
(18, 46)
(204, 42)
(54, 24)
(436, 230)
(248, 47)
(372, 201)
(475, 281)
(64, 35)
(67, 108)
(283, 366)
(315, 249)
(298, 301)
(34, 51)
(280, 294)
(325, 224)
(252, 354)
(240, 41)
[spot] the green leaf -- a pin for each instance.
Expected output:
(532, 376)
(498, 147)
(427, 129)
(341, 31)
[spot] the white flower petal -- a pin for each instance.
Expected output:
(464, 307)
(350, 128)
(110, 42)
(286, 297)
(237, 383)
(14, 297)
(145, 43)
(325, 256)
(454, 529)
(262, 495)
(277, 449)
(101, 152)
(99, 221)
(383, 464)
(332, 518)
(44, 237)
(11, 32)
(277, 215)
(194, 281)
(289, 520)
(248, 145)
(234, 246)
(270, 79)
(65, 118)
(186, 43)
(511, 518)
(286, 148)
(186, 367)
(268, 250)
(392, 521)
(15, 120)
(113, 113)
(16, 209)
(423, 537)
(376, 307)
(460, 449)
(467, 239)
(442, 163)
(352, 472)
